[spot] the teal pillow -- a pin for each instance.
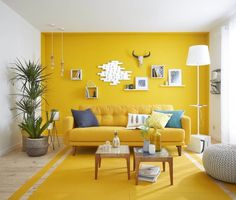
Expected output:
(175, 120)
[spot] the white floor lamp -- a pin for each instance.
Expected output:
(198, 55)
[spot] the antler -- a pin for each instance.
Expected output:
(145, 56)
(134, 54)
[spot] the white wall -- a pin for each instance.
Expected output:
(18, 39)
(215, 102)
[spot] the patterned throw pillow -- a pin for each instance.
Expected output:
(136, 120)
(158, 120)
(175, 120)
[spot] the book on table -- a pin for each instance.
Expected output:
(149, 173)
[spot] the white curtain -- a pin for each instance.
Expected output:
(228, 83)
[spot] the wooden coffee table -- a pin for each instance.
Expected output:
(162, 156)
(120, 152)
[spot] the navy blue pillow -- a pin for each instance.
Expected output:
(175, 120)
(84, 118)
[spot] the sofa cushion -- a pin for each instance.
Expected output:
(136, 120)
(175, 120)
(158, 120)
(104, 133)
(84, 118)
(117, 115)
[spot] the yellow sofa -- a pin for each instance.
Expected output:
(115, 117)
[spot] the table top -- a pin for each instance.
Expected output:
(122, 149)
(161, 154)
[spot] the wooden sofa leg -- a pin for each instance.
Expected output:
(74, 150)
(179, 148)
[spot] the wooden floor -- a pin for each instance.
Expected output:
(17, 167)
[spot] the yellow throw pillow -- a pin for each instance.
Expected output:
(158, 120)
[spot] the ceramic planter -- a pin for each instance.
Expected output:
(37, 147)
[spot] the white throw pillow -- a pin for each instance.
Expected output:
(136, 120)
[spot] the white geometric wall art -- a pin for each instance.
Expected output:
(113, 73)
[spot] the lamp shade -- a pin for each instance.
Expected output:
(198, 55)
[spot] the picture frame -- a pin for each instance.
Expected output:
(141, 83)
(175, 77)
(76, 74)
(157, 71)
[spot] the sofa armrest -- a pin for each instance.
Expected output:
(186, 125)
(68, 124)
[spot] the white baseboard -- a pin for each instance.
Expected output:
(9, 149)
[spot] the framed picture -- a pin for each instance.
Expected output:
(141, 83)
(76, 74)
(157, 71)
(175, 77)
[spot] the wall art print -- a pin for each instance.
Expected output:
(113, 72)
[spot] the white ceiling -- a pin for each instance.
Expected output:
(124, 15)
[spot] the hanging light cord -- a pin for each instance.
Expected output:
(62, 52)
(52, 55)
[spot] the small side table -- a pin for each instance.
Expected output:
(120, 152)
(162, 156)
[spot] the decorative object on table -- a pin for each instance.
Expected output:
(198, 55)
(91, 90)
(157, 71)
(149, 173)
(152, 149)
(175, 77)
(52, 129)
(113, 73)
(76, 74)
(141, 83)
(116, 140)
(140, 58)
(145, 133)
(219, 161)
(155, 139)
(31, 77)
(216, 81)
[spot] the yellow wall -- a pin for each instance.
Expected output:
(89, 50)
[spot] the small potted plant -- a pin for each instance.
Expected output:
(31, 79)
(150, 135)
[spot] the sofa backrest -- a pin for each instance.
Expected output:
(117, 115)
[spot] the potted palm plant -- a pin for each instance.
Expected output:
(31, 78)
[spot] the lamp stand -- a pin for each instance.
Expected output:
(198, 141)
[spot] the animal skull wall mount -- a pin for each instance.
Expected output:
(140, 58)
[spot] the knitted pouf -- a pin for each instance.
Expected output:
(219, 161)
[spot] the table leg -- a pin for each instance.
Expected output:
(171, 170)
(136, 171)
(133, 162)
(97, 158)
(100, 161)
(128, 166)
(164, 166)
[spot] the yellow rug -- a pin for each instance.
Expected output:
(73, 178)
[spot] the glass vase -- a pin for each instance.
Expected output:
(156, 139)
(146, 145)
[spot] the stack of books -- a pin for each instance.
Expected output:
(149, 173)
